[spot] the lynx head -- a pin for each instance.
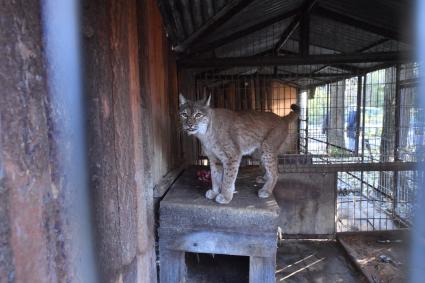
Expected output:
(194, 115)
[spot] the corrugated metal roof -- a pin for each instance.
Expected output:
(383, 13)
(339, 37)
(254, 43)
(256, 12)
(328, 34)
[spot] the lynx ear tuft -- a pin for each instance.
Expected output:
(182, 100)
(208, 101)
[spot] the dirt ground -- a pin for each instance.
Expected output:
(298, 261)
(382, 256)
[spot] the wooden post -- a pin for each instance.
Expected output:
(173, 266)
(262, 269)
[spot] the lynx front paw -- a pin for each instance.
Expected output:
(210, 194)
(221, 199)
(263, 193)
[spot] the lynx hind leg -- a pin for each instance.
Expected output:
(269, 159)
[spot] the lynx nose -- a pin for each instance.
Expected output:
(190, 126)
(190, 123)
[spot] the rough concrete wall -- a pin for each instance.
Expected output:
(307, 203)
(131, 92)
(32, 245)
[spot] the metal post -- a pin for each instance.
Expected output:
(363, 141)
(327, 116)
(396, 137)
(61, 27)
(306, 120)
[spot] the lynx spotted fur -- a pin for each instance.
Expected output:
(227, 135)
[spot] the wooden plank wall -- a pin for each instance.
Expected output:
(32, 247)
(187, 86)
(162, 71)
(131, 94)
(131, 97)
(257, 94)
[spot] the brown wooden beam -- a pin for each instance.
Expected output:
(387, 57)
(214, 22)
(305, 10)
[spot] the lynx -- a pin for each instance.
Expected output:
(227, 135)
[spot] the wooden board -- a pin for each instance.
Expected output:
(199, 241)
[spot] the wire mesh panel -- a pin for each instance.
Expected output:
(361, 205)
(358, 120)
(359, 112)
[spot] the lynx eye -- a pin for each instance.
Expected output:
(184, 115)
(198, 115)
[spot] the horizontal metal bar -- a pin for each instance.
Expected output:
(393, 57)
(348, 167)
(276, 76)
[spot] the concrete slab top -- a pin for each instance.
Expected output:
(188, 190)
(185, 204)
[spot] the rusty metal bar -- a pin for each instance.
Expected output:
(386, 57)
(214, 22)
(349, 167)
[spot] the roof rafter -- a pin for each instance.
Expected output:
(305, 10)
(361, 24)
(364, 72)
(241, 33)
(214, 22)
(166, 17)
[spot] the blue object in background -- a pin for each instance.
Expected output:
(352, 129)
(352, 124)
